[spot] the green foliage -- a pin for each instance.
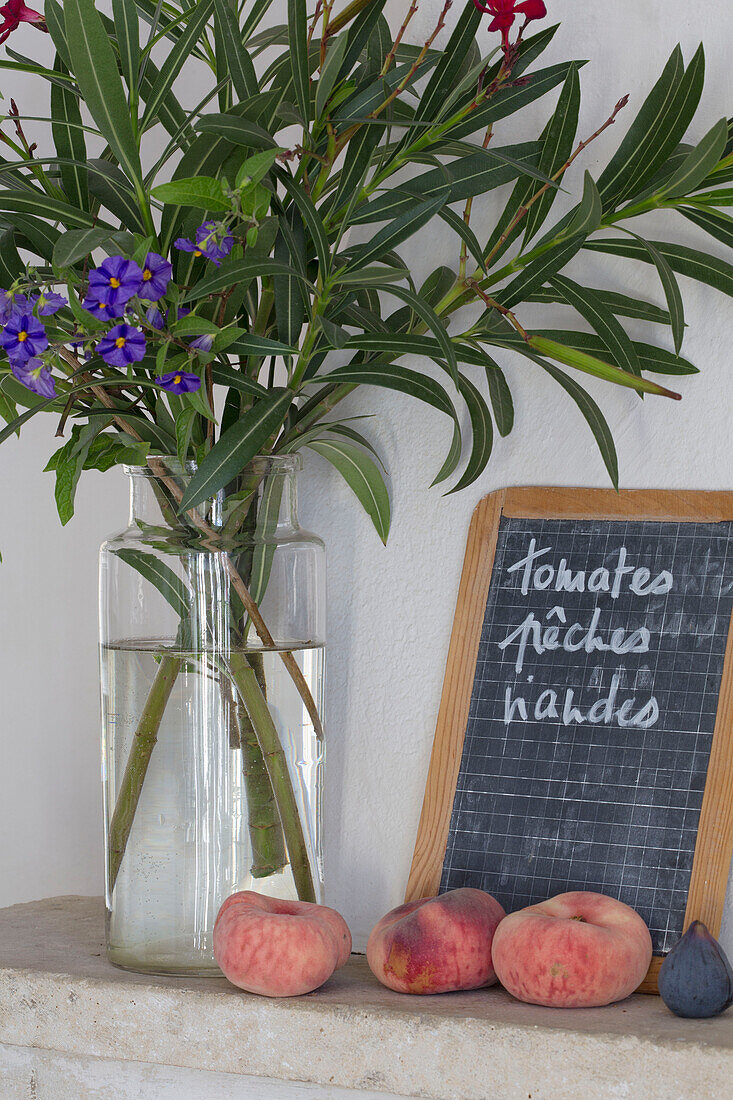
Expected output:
(298, 313)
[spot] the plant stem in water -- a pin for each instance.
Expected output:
(263, 818)
(250, 692)
(146, 736)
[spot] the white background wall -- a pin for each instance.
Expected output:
(390, 610)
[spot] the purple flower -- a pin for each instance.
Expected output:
(36, 376)
(115, 281)
(154, 318)
(9, 301)
(49, 302)
(122, 345)
(156, 276)
(212, 241)
(179, 381)
(202, 343)
(23, 337)
(101, 308)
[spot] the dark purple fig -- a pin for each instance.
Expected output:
(696, 978)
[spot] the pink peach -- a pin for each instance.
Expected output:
(279, 948)
(577, 950)
(436, 945)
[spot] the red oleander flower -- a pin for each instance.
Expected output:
(506, 11)
(14, 13)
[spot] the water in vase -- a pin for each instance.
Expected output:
(202, 811)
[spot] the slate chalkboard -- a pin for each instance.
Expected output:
(595, 693)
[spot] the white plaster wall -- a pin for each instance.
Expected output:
(390, 610)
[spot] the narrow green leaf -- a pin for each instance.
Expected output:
(239, 63)
(593, 416)
(620, 304)
(250, 344)
(602, 320)
(77, 244)
(161, 576)
(656, 252)
(237, 446)
(557, 146)
(464, 231)
(392, 377)
(501, 398)
(356, 166)
(311, 218)
(240, 131)
(290, 302)
(23, 202)
(483, 434)
(656, 131)
(362, 475)
(714, 222)
(467, 177)
(95, 68)
(360, 32)
(226, 375)
(452, 458)
(539, 270)
(68, 137)
(111, 187)
(330, 72)
(512, 99)
(171, 67)
(8, 408)
(395, 232)
(126, 30)
(428, 315)
(369, 276)
(699, 163)
(587, 216)
(239, 271)
(298, 39)
(444, 75)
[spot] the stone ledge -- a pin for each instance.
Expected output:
(58, 993)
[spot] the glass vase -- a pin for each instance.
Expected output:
(212, 625)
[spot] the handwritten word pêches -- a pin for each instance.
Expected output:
(574, 638)
(602, 579)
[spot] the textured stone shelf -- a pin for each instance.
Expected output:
(58, 994)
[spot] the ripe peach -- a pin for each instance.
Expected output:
(436, 945)
(279, 948)
(577, 950)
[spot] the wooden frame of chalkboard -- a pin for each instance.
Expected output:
(713, 846)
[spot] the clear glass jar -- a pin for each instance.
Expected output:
(212, 629)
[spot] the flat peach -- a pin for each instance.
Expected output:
(436, 945)
(279, 948)
(577, 950)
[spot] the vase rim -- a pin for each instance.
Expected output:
(287, 463)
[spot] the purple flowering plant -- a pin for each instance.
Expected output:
(271, 282)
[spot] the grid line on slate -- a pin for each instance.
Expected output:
(542, 806)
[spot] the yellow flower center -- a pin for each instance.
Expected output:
(197, 252)
(120, 342)
(147, 274)
(177, 380)
(114, 282)
(22, 336)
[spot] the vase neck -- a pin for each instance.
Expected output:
(262, 497)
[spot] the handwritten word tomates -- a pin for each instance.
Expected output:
(596, 634)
